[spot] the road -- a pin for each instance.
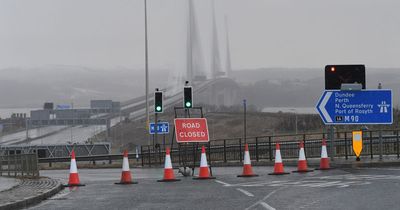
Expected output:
(65, 134)
(364, 188)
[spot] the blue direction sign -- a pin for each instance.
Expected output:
(356, 107)
(163, 128)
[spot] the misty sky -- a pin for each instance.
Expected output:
(263, 33)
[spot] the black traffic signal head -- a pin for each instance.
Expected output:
(336, 75)
(158, 102)
(187, 97)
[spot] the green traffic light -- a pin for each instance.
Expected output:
(158, 108)
(188, 104)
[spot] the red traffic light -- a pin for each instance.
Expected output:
(336, 75)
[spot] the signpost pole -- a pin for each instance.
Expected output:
(380, 134)
(332, 141)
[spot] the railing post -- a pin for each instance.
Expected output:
(380, 145)
(15, 165)
(397, 147)
(371, 144)
(149, 155)
(224, 151)
(24, 161)
(179, 154)
(270, 147)
(141, 155)
(1, 165)
(195, 146)
(159, 154)
(209, 152)
(8, 164)
(240, 149)
(257, 149)
(36, 165)
(304, 144)
(345, 145)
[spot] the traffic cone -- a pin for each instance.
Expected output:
(204, 170)
(247, 169)
(169, 175)
(126, 177)
(278, 168)
(324, 164)
(302, 163)
(73, 173)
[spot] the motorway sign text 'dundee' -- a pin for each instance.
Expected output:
(191, 130)
(356, 107)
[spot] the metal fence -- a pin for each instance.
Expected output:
(262, 148)
(24, 165)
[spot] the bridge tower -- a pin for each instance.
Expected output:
(228, 51)
(194, 57)
(215, 59)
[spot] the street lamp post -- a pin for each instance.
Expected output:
(146, 68)
(244, 121)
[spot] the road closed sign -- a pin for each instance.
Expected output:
(191, 130)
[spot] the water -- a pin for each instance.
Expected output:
(298, 110)
(6, 112)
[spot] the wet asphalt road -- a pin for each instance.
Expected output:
(364, 188)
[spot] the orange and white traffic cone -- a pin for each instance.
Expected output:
(73, 173)
(324, 164)
(302, 163)
(204, 170)
(126, 177)
(169, 175)
(278, 168)
(247, 169)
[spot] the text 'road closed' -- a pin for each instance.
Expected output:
(191, 130)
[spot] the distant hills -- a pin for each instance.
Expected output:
(30, 87)
(281, 87)
(264, 87)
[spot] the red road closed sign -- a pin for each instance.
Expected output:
(191, 130)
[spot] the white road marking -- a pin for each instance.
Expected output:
(265, 205)
(382, 169)
(360, 177)
(305, 183)
(263, 200)
(245, 192)
(223, 183)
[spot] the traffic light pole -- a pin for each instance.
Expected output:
(155, 129)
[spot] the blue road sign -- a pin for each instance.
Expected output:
(163, 128)
(356, 107)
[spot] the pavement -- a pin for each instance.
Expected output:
(346, 188)
(21, 193)
(8, 183)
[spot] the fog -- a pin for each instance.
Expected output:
(77, 50)
(263, 33)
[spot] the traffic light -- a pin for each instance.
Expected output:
(158, 102)
(336, 75)
(187, 97)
